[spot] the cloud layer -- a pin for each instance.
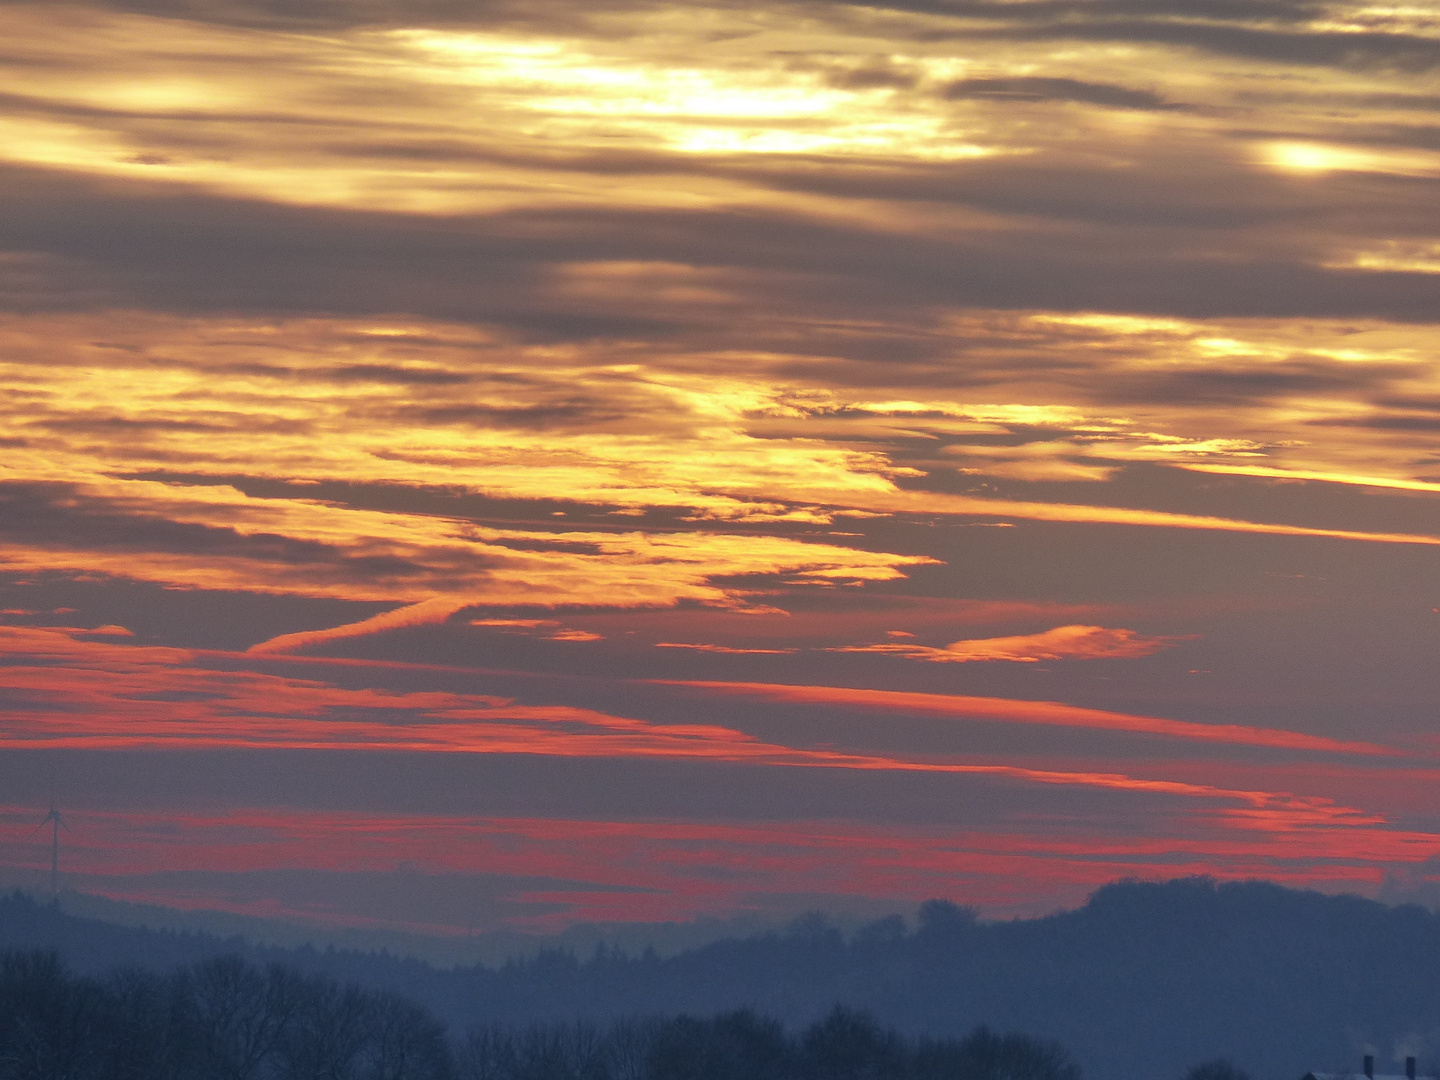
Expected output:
(1012, 425)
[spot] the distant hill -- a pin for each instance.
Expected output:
(1141, 983)
(484, 947)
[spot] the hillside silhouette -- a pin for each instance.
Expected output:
(1143, 981)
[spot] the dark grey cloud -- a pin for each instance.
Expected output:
(1028, 11)
(1417, 404)
(1272, 30)
(1036, 88)
(385, 374)
(1222, 383)
(1410, 136)
(1382, 423)
(869, 78)
(343, 14)
(390, 375)
(1420, 102)
(551, 416)
(1220, 195)
(25, 104)
(99, 244)
(138, 427)
(186, 618)
(124, 244)
(1413, 102)
(56, 515)
(120, 424)
(1268, 30)
(1356, 50)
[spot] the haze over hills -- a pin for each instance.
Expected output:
(1143, 981)
(484, 947)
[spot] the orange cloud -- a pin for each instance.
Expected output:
(1061, 643)
(722, 648)
(933, 503)
(110, 630)
(426, 613)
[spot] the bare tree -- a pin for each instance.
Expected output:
(328, 1032)
(488, 1053)
(1217, 1069)
(234, 1017)
(406, 1042)
(139, 1033)
(49, 1021)
(629, 1043)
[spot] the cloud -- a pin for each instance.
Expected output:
(1275, 32)
(999, 710)
(548, 629)
(1408, 53)
(425, 613)
(1311, 474)
(194, 252)
(1060, 643)
(63, 692)
(728, 649)
(338, 326)
(545, 871)
(1262, 11)
(311, 15)
(163, 533)
(1038, 88)
(960, 504)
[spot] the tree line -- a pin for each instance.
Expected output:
(226, 1019)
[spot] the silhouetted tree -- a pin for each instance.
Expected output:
(849, 1045)
(406, 1042)
(139, 1027)
(943, 919)
(225, 1019)
(50, 1023)
(629, 1043)
(488, 1053)
(733, 1046)
(1217, 1069)
(233, 1017)
(326, 1033)
(984, 1055)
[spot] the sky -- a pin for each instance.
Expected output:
(474, 464)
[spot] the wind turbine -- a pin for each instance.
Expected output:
(56, 823)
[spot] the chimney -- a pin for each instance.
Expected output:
(1410, 1068)
(1370, 1066)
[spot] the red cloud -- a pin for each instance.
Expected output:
(1006, 710)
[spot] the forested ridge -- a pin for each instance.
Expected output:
(1141, 982)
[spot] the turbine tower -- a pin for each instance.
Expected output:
(56, 823)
